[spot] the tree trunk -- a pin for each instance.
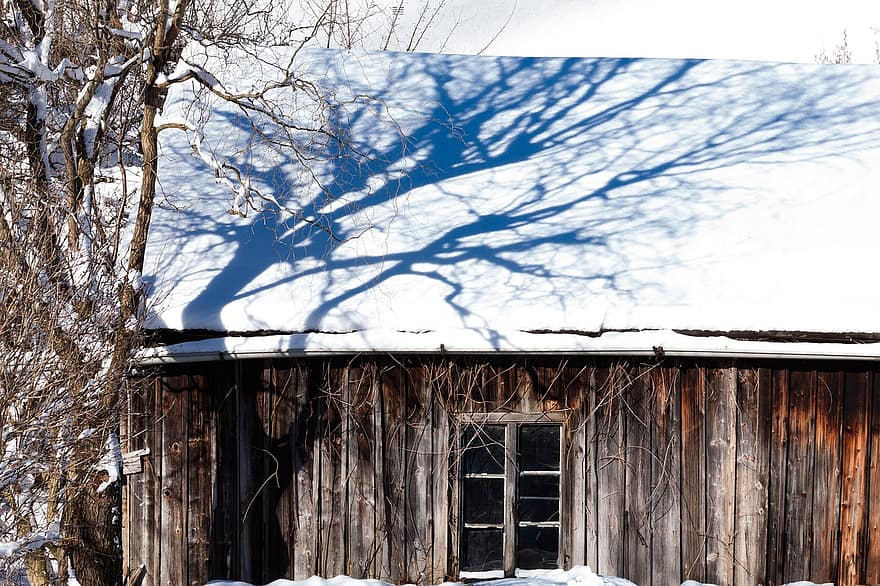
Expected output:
(91, 526)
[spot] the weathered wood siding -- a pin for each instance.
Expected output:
(730, 473)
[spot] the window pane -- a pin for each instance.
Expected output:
(539, 447)
(483, 500)
(483, 449)
(538, 498)
(539, 485)
(482, 549)
(537, 548)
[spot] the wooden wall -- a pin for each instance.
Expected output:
(731, 473)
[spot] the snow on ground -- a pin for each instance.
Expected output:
(505, 195)
(577, 576)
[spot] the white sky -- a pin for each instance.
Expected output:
(773, 30)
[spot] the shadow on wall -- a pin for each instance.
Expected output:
(596, 158)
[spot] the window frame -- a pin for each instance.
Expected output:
(512, 423)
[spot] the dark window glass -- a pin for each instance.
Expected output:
(539, 447)
(483, 449)
(538, 510)
(538, 498)
(537, 547)
(482, 550)
(483, 500)
(539, 485)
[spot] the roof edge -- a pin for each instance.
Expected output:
(644, 343)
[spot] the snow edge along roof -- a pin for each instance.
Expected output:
(645, 343)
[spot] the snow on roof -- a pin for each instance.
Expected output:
(662, 343)
(508, 195)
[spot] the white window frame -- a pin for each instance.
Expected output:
(512, 423)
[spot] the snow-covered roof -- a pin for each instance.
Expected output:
(510, 195)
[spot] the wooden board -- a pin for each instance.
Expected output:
(720, 473)
(776, 538)
(362, 543)
(638, 496)
(280, 512)
(418, 488)
(305, 444)
(856, 411)
(332, 474)
(693, 474)
(752, 473)
(441, 503)
(825, 554)
(200, 479)
(872, 561)
(799, 475)
(579, 508)
(610, 471)
(394, 473)
(590, 479)
(225, 551)
(173, 560)
(251, 469)
(665, 474)
(134, 437)
(152, 485)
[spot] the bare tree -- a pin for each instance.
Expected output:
(82, 85)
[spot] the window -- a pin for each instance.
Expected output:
(509, 498)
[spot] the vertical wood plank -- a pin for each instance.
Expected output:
(440, 490)
(249, 473)
(225, 551)
(418, 489)
(394, 471)
(638, 479)
(152, 483)
(752, 470)
(305, 453)
(591, 479)
(125, 433)
(173, 560)
(776, 542)
(332, 474)
(455, 529)
(255, 470)
(362, 542)
(665, 474)
(383, 524)
(200, 479)
(693, 469)
(134, 525)
(799, 475)
(510, 473)
(611, 472)
(280, 445)
(825, 554)
(720, 473)
(856, 410)
(579, 510)
(872, 495)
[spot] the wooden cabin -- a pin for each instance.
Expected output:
(423, 469)
(607, 312)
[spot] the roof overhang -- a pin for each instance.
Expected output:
(645, 343)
